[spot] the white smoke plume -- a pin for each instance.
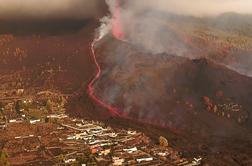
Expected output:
(190, 7)
(146, 20)
(104, 28)
(147, 24)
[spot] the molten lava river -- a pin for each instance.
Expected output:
(118, 34)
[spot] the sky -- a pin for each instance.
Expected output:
(89, 8)
(49, 8)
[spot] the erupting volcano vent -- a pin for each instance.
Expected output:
(138, 76)
(117, 26)
(157, 83)
(157, 67)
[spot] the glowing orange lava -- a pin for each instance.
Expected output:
(118, 34)
(117, 24)
(113, 110)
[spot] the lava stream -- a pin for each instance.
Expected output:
(113, 110)
(117, 33)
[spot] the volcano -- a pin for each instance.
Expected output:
(204, 96)
(200, 101)
(170, 90)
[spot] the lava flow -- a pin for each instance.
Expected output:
(117, 33)
(113, 110)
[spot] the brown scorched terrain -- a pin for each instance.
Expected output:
(200, 105)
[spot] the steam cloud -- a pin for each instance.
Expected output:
(149, 26)
(147, 23)
(187, 7)
(144, 21)
(193, 7)
(47, 9)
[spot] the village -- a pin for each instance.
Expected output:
(227, 109)
(35, 130)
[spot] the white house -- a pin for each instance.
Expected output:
(144, 159)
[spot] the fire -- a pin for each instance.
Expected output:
(117, 24)
(118, 34)
(113, 110)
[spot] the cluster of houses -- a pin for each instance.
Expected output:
(78, 137)
(6, 38)
(119, 146)
(20, 53)
(6, 50)
(17, 109)
(229, 110)
(104, 144)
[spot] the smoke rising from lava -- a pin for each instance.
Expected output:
(192, 7)
(147, 25)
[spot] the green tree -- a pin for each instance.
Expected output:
(49, 105)
(82, 159)
(18, 106)
(61, 157)
(1, 110)
(1, 107)
(163, 141)
(4, 158)
(91, 160)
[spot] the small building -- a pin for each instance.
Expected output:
(117, 161)
(131, 150)
(71, 137)
(3, 125)
(95, 149)
(70, 161)
(131, 132)
(197, 160)
(20, 91)
(113, 135)
(144, 159)
(19, 120)
(162, 154)
(34, 121)
(1, 107)
(105, 152)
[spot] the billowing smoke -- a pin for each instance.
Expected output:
(186, 7)
(15, 9)
(145, 21)
(151, 25)
(160, 30)
(193, 7)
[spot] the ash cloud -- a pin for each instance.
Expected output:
(151, 26)
(190, 7)
(49, 9)
(146, 20)
(148, 24)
